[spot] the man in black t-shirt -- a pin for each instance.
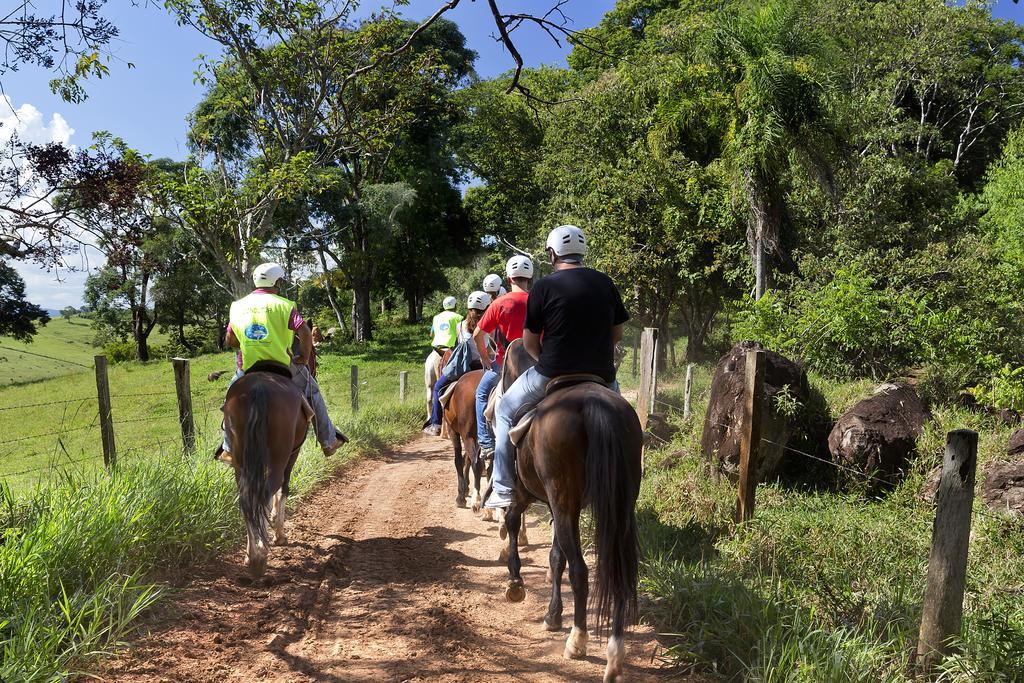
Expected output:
(574, 318)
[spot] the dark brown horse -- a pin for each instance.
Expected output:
(266, 419)
(460, 419)
(584, 448)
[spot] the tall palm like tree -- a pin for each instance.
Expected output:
(775, 61)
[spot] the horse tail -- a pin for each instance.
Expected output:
(253, 493)
(612, 491)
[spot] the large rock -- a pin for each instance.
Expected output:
(1016, 446)
(877, 438)
(1003, 487)
(720, 440)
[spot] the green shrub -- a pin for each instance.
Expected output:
(120, 351)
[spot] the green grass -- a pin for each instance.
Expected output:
(78, 544)
(42, 439)
(820, 585)
(62, 347)
(69, 342)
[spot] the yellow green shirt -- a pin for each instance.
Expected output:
(261, 322)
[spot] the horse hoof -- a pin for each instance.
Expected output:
(476, 508)
(576, 645)
(488, 515)
(503, 555)
(552, 625)
(460, 502)
(257, 568)
(515, 592)
(281, 540)
(503, 532)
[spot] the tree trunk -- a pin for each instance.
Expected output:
(362, 316)
(410, 303)
(332, 296)
(760, 284)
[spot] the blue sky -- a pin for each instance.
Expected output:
(146, 105)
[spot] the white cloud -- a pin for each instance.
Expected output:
(31, 125)
(64, 286)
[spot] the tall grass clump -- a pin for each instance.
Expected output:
(78, 554)
(822, 584)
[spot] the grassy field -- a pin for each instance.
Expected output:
(62, 347)
(43, 439)
(77, 543)
(821, 585)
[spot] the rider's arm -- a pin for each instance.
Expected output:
(617, 333)
(480, 339)
(305, 345)
(531, 342)
(230, 339)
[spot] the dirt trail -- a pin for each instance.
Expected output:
(383, 579)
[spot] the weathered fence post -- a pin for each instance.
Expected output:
(942, 612)
(648, 375)
(403, 382)
(355, 389)
(106, 417)
(750, 435)
(183, 388)
(689, 391)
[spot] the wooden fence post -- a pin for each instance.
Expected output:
(689, 391)
(648, 375)
(355, 389)
(750, 435)
(106, 416)
(183, 388)
(942, 612)
(403, 382)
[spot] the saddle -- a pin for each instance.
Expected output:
(522, 428)
(270, 366)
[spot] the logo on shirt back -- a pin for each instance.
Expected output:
(256, 332)
(445, 327)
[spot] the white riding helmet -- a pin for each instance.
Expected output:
(479, 300)
(502, 291)
(566, 240)
(449, 303)
(519, 266)
(267, 274)
(492, 283)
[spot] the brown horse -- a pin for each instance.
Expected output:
(584, 448)
(460, 418)
(266, 419)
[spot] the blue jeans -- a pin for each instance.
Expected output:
(484, 435)
(435, 412)
(524, 394)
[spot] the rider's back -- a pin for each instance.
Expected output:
(576, 309)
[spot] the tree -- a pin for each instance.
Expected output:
(126, 215)
(68, 312)
(73, 41)
(774, 59)
(18, 318)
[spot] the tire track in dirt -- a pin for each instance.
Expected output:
(383, 579)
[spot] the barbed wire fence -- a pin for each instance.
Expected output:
(942, 608)
(129, 424)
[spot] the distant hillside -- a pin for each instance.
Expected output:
(66, 345)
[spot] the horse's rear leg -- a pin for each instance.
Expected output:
(514, 592)
(280, 538)
(568, 533)
(556, 566)
(460, 467)
(477, 470)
